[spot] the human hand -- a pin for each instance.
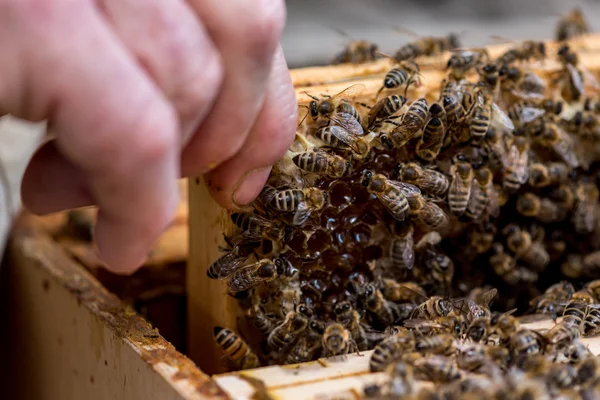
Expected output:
(139, 92)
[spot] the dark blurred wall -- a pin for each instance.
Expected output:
(310, 39)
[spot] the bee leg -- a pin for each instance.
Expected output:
(378, 92)
(365, 105)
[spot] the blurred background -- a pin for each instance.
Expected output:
(311, 38)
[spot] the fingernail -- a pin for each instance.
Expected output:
(250, 186)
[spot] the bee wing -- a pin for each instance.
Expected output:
(488, 296)
(493, 201)
(527, 95)
(388, 201)
(530, 114)
(239, 285)
(473, 198)
(576, 78)
(348, 122)
(302, 213)
(350, 91)
(407, 189)
(415, 323)
(564, 148)
(500, 118)
(230, 263)
(345, 137)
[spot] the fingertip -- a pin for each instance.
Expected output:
(250, 185)
(125, 245)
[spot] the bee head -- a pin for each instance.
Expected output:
(366, 178)
(313, 109)
(342, 307)
(385, 141)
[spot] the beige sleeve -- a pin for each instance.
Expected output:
(18, 141)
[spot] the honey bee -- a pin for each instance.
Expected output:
(437, 369)
(479, 329)
(548, 174)
(427, 46)
(307, 348)
(287, 332)
(505, 325)
(484, 113)
(385, 108)
(441, 344)
(411, 126)
(428, 212)
(392, 194)
(594, 288)
(357, 52)
(382, 310)
(303, 202)
(516, 172)
(523, 112)
(585, 214)
(553, 300)
(426, 179)
(489, 74)
(338, 137)
(403, 292)
(351, 319)
(472, 357)
(543, 209)
(235, 348)
(338, 103)
(390, 348)
(432, 308)
(337, 341)
(227, 264)
(571, 77)
(584, 124)
(431, 141)
(401, 378)
(575, 314)
(481, 237)
(525, 342)
(439, 265)
(556, 139)
(463, 61)
(461, 183)
(263, 271)
(322, 163)
(518, 84)
(254, 227)
(560, 336)
(402, 253)
(484, 197)
(526, 51)
(571, 25)
(261, 320)
(406, 73)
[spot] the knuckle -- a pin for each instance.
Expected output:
(200, 88)
(264, 26)
(155, 135)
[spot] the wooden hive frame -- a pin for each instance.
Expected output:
(65, 336)
(208, 302)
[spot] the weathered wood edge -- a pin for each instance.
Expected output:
(32, 249)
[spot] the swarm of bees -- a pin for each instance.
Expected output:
(393, 223)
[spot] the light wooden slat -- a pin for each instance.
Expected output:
(328, 378)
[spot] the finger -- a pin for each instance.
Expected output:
(239, 180)
(53, 183)
(170, 43)
(111, 122)
(246, 34)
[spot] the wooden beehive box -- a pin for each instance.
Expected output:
(65, 336)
